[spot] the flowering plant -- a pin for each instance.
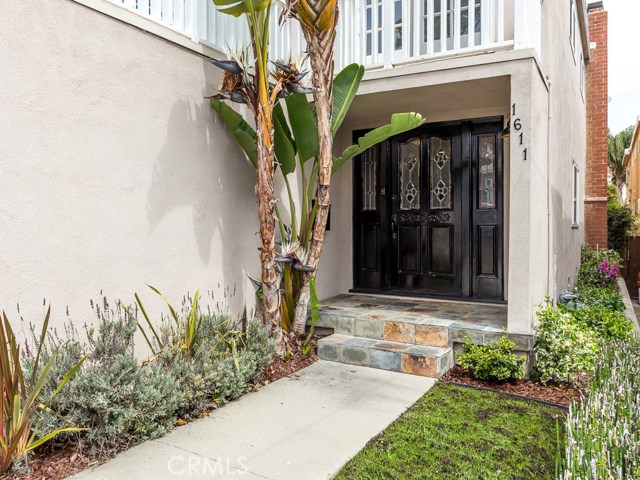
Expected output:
(609, 272)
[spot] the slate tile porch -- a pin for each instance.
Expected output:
(415, 336)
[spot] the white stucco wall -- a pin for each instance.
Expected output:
(114, 172)
(567, 142)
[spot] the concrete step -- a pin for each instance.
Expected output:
(421, 360)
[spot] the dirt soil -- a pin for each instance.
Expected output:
(285, 365)
(52, 464)
(558, 394)
(60, 463)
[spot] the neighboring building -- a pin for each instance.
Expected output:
(597, 172)
(115, 173)
(632, 166)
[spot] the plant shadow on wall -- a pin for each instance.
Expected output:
(196, 169)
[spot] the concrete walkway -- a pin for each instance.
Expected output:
(303, 427)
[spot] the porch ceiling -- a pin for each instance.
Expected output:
(457, 100)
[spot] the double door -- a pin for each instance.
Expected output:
(428, 213)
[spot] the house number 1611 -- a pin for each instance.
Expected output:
(517, 125)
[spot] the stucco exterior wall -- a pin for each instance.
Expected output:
(567, 143)
(114, 171)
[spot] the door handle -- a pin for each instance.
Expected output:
(394, 226)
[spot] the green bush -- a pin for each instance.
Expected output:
(564, 348)
(603, 436)
(605, 297)
(608, 324)
(495, 361)
(122, 402)
(620, 220)
(598, 268)
(117, 400)
(225, 365)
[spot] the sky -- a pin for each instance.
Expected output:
(624, 62)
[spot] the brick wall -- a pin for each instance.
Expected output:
(595, 210)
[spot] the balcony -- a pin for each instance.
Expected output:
(375, 33)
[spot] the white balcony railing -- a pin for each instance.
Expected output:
(375, 33)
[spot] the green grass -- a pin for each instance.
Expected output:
(461, 433)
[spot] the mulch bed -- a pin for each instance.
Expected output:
(53, 464)
(558, 394)
(284, 365)
(60, 463)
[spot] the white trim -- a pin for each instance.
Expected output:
(163, 31)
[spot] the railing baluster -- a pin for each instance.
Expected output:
(443, 24)
(166, 12)
(431, 22)
(155, 8)
(457, 6)
(486, 26)
(472, 24)
(178, 14)
(500, 21)
(143, 7)
(416, 14)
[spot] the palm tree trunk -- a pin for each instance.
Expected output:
(320, 54)
(265, 195)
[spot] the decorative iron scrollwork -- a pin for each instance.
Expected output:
(421, 217)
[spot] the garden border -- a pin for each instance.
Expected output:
(629, 312)
(511, 395)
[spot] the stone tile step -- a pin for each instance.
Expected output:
(420, 360)
(417, 329)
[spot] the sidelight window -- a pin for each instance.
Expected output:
(487, 171)
(370, 180)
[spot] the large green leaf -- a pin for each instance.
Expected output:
(304, 126)
(345, 87)
(400, 123)
(284, 146)
(240, 7)
(243, 132)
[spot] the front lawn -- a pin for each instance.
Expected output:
(461, 433)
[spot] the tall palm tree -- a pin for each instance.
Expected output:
(617, 144)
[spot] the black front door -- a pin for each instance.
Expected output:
(428, 213)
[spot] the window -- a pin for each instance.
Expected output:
(582, 76)
(572, 27)
(575, 204)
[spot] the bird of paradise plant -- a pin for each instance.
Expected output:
(307, 135)
(251, 82)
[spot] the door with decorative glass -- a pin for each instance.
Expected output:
(428, 213)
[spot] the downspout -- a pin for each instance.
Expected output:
(550, 260)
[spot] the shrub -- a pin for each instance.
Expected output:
(495, 361)
(603, 435)
(20, 390)
(608, 324)
(620, 224)
(119, 401)
(122, 402)
(605, 297)
(225, 364)
(564, 348)
(599, 268)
